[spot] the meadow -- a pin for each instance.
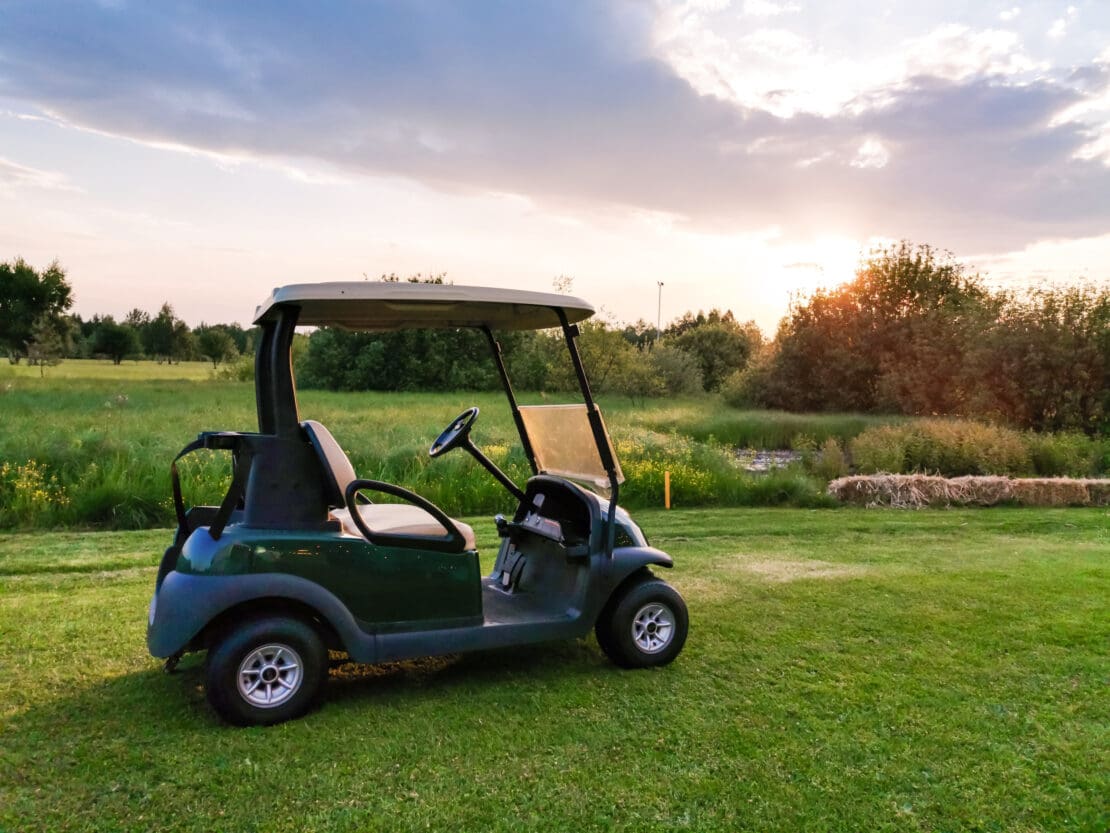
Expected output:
(91, 444)
(850, 670)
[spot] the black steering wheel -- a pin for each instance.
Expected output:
(454, 434)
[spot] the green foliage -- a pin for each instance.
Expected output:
(914, 334)
(1044, 363)
(830, 463)
(677, 371)
(239, 370)
(719, 348)
(106, 443)
(948, 447)
(706, 421)
(855, 347)
(215, 344)
(116, 341)
(47, 345)
(1069, 454)
(960, 447)
(28, 298)
(405, 360)
(167, 338)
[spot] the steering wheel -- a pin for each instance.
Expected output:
(454, 434)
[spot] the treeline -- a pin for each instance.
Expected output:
(915, 334)
(35, 326)
(162, 337)
(691, 356)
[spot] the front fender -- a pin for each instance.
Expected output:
(185, 604)
(627, 560)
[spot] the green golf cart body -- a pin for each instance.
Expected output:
(298, 560)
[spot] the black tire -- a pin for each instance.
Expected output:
(266, 671)
(645, 626)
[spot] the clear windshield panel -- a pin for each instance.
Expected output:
(563, 443)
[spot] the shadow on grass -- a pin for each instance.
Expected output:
(174, 705)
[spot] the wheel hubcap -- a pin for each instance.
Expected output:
(270, 675)
(653, 627)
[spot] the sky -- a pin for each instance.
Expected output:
(738, 153)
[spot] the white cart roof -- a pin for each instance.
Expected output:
(380, 305)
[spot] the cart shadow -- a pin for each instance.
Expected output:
(440, 676)
(173, 706)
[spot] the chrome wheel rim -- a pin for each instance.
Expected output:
(653, 627)
(270, 675)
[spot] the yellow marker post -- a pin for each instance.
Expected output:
(667, 489)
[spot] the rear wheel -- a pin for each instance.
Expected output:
(645, 626)
(266, 671)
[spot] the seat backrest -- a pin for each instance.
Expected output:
(338, 471)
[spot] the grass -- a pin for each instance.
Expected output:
(852, 670)
(92, 451)
(127, 371)
(760, 429)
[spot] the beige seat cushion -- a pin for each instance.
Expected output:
(400, 519)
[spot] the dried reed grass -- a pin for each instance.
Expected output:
(914, 491)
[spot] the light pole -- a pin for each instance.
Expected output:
(659, 312)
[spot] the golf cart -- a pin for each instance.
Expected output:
(298, 560)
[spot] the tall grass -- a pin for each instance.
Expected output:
(708, 419)
(954, 447)
(96, 452)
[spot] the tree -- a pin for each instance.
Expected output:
(719, 348)
(894, 338)
(216, 344)
(116, 341)
(46, 346)
(167, 337)
(26, 297)
(1044, 361)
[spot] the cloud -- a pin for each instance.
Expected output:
(12, 174)
(871, 154)
(766, 8)
(573, 105)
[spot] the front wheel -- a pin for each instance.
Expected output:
(644, 627)
(266, 671)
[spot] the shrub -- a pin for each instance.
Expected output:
(948, 447)
(677, 370)
(830, 463)
(1068, 454)
(880, 449)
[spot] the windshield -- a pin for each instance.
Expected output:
(564, 443)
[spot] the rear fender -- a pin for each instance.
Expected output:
(184, 606)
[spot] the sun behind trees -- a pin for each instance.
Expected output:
(915, 334)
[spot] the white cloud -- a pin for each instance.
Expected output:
(767, 8)
(785, 73)
(1058, 29)
(12, 174)
(871, 154)
(1007, 15)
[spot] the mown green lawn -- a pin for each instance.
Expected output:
(851, 670)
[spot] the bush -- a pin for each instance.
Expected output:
(948, 447)
(830, 463)
(961, 447)
(1068, 454)
(677, 370)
